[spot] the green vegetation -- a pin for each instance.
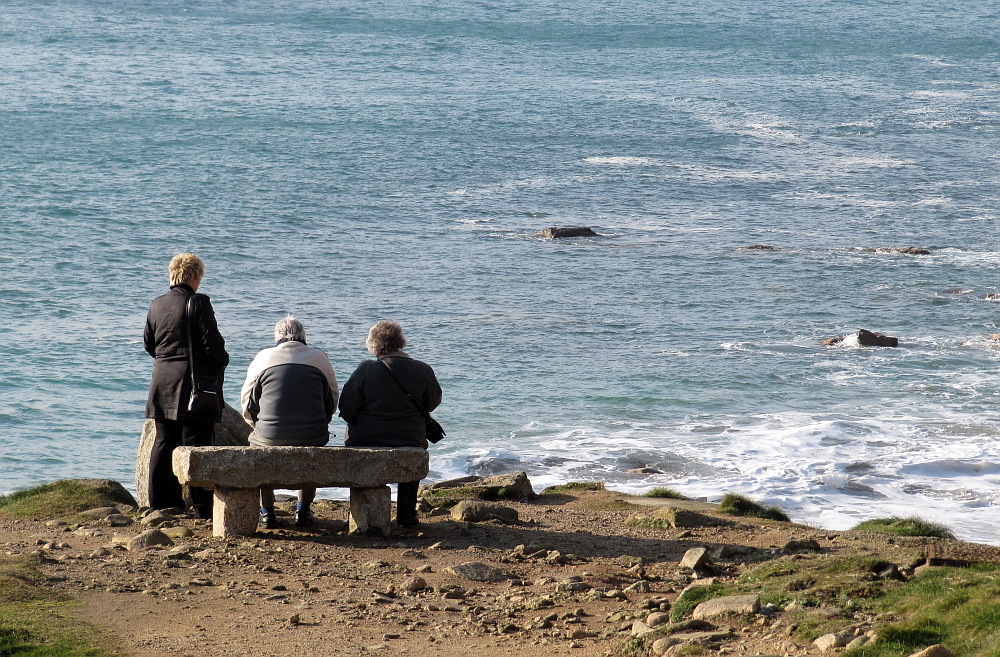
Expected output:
(912, 526)
(668, 493)
(648, 522)
(34, 622)
(574, 486)
(957, 607)
(65, 497)
(737, 505)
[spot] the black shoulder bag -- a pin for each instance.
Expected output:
(435, 432)
(204, 399)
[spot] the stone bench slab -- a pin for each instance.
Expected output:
(298, 467)
(236, 474)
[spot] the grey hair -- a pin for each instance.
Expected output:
(289, 328)
(385, 337)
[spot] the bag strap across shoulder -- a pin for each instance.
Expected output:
(423, 411)
(187, 320)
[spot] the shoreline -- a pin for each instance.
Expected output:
(573, 574)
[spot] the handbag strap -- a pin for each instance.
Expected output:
(423, 411)
(187, 320)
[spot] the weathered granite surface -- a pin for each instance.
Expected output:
(232, 430)
(298, 467)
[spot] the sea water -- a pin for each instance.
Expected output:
(354, 161)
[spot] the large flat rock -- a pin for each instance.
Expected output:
(298, 467)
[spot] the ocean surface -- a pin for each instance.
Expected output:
(354, 161)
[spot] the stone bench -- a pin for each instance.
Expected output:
(236, 474)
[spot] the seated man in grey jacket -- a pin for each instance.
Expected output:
(289, 398)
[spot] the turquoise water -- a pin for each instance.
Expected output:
(364, 161)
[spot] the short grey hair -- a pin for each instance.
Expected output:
(289, 328)
(385, 337)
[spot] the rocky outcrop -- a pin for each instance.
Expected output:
(866, 338)
(759, 247)
(513, 486)
(477, 511)
(232, 430)
(556, 232)
(903, 250)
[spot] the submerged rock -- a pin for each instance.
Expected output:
(556, 232)
(866, 338)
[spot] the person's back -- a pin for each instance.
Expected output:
(290, 395)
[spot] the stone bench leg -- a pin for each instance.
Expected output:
(236, 511)
(370, 511)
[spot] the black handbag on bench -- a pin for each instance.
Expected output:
(435, 432)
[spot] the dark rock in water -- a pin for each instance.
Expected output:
(872, 339)
(865, 339)
(904, 250)
(759, 247)
(568, 231)
(992, 296)
(645, 471)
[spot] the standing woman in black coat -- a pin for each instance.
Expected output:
(376, 408)
(166, 340)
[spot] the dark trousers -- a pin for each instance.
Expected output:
(406, 501)
(164, 489)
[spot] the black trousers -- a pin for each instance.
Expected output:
(406, 501)
(164, 489)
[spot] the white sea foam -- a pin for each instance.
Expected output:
(624, 161)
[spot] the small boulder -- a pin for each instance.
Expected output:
(657, 618)
(696, 559)
(147, 539)
(118, 520)
(801, 545)
(157, 517)
(937, 650)
(178, 532)
(510, 486)
(100, 512)
(415, 584)
(477, 572)
(660, 646)
(873, 339)
(833, 640)
(732, 604)
(556, 232)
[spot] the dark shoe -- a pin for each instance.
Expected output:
(268, 521)
(408, 522)
(304, 518)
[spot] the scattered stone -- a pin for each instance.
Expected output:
(477, 571)
(178, 532)
(660, 646)
(642, 586)
(572, 586)
(657, 618)
(100, 512)
(696, 559)
(415, 584)
(937, 650)
(639, 628)
(735, 604)
(477, 511)
(833, 640)
(556, 232)
(201, 581)
(118, 520)
(148, 539)
(156, 518)
(294, 620)
(858, 642)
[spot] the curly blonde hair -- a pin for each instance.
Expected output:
(185, 268)
(385, 337)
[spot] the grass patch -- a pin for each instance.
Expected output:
(912, 526)
(65, 497)
(737, 505)
(648, 522)
(34, 622)
(574, 486)
(667, 493)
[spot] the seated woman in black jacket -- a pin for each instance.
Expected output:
(376, 408)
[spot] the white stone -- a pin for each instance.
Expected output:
(735, 604)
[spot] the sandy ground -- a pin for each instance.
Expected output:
(318, 591)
